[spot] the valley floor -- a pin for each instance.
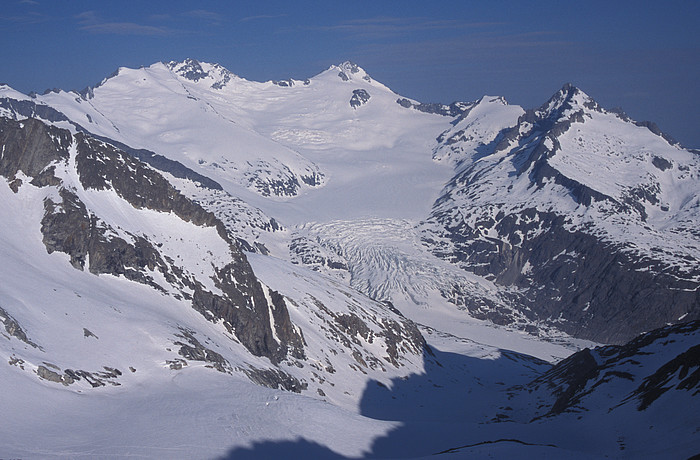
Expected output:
(459, 406)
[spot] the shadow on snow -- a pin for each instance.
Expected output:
(455, 402)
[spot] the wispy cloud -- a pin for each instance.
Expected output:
(26, 16)
(474, 47)
(261, 16)
(29, 18)
(124, 28)
(90, 22)
(211, 16)
(383, 27)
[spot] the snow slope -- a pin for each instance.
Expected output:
(102, 324)
(191, 279)
(369, 150)
(151, 108)
(590, 216)
(475, 129)
(277, 141)
(313, 342)
(376, 153)
(107, 349)
(373, 153)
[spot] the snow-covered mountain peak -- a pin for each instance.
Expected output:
(485, 99)
(348, 70)
(479, 125)
(215, 75)
(163, 290)
(212, 75)
(568, 100)
(572, 174)
(6, 91)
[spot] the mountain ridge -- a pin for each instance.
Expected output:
(484, 131)
(584, 188)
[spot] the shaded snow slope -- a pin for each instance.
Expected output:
(92, 209)
(386, 260)
(591, 216)
(475, 129)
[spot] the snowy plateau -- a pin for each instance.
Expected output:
(195, 265)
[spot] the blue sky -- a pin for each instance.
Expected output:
(641, 56)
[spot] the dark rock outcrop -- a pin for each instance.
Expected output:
(53, 376)
(195, 351)
(275, 379)
(68, 226)
(161, 163)
(639, 372)
(686, 366)
(31, 146)
(359, 97)
(594, 289)
(31, 110)
(278, 179)
(192, 70)
(13, 328)
(454, 109)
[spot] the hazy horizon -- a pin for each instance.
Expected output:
(641, 56)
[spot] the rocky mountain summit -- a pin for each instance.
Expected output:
(586, 214)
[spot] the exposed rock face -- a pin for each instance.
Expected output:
(284, 83)
(249, 323)
(399, 336)
(348, 71)
(359, 97)
(554, 233)
(686, 366)
(30, 146)
(52, 376)
(191, 69)
(195, 351)
(69, 226)
(312, 254)
(278, 179)
(70, 376)
(13, 328)
(66, 227)
(452, 110)
(102, 167)
(603, 292)
(161, 163)
(31, 110)
(276, 379)
(638, 373)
